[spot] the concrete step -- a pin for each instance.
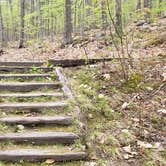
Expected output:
(34, 106)
(40, 155)
(40, 137)
(57, 120)
(23, 76)
(26, 87)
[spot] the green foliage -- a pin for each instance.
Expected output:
(133, 82)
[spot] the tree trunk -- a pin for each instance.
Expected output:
(68, 24)
(138, 4)
(22, 14)
(32, 11)
(103, 15)
(147, 6)
(39, 19)
(118, 10)
(2, 37)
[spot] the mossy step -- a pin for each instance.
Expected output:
(59, 120)
(23, 76)
(27, 63)
(26, 87)
(40, 137)
(31, 95)
(34, 106)
(40, 155)
(24, 69)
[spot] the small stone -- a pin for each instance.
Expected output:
(20, 127)
(90, 116)
(135, 119)
(149, 88)
(49, 161)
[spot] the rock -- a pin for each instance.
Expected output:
(140, 23)
(49, 161)
(20, 127)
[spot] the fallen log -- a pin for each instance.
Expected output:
(77, 62)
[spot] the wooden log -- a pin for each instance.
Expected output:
(23, 76)
(77, 62)
(32, 95)
(26, 87)
(33, 63)
(58, 120)
(40, 155)
(41, 137)
(23, 69)
(33, 106)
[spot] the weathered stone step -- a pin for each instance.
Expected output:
(34, 106)
(41, 137)
(34, 63)
(58, 120)
(23, 68)
(26, 87)
(40, 155)
(23, 76)
(31, 95)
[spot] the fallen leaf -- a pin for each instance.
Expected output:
(163, 111)
(125, 105)
(127, 149)
(107, 76)
(100, 96)
(144, 145)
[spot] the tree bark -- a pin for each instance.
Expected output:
(22, 14)
(103, 15)
(138, 4)
(118, 10)
(2, 37)
(147, 6)
(39, 19)
(68, 24)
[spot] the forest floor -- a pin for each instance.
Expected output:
(126, 119)
(94, 45)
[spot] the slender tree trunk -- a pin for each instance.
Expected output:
(147, 6)
(81, 19)
(75, 19)
(103, 15)
(12, 20)
(32, 11)
(138, 4)
(2, 37)
(39, 19)
(22, 14)
(118, 10)
(68, 24)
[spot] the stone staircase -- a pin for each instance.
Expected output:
(37, 121)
